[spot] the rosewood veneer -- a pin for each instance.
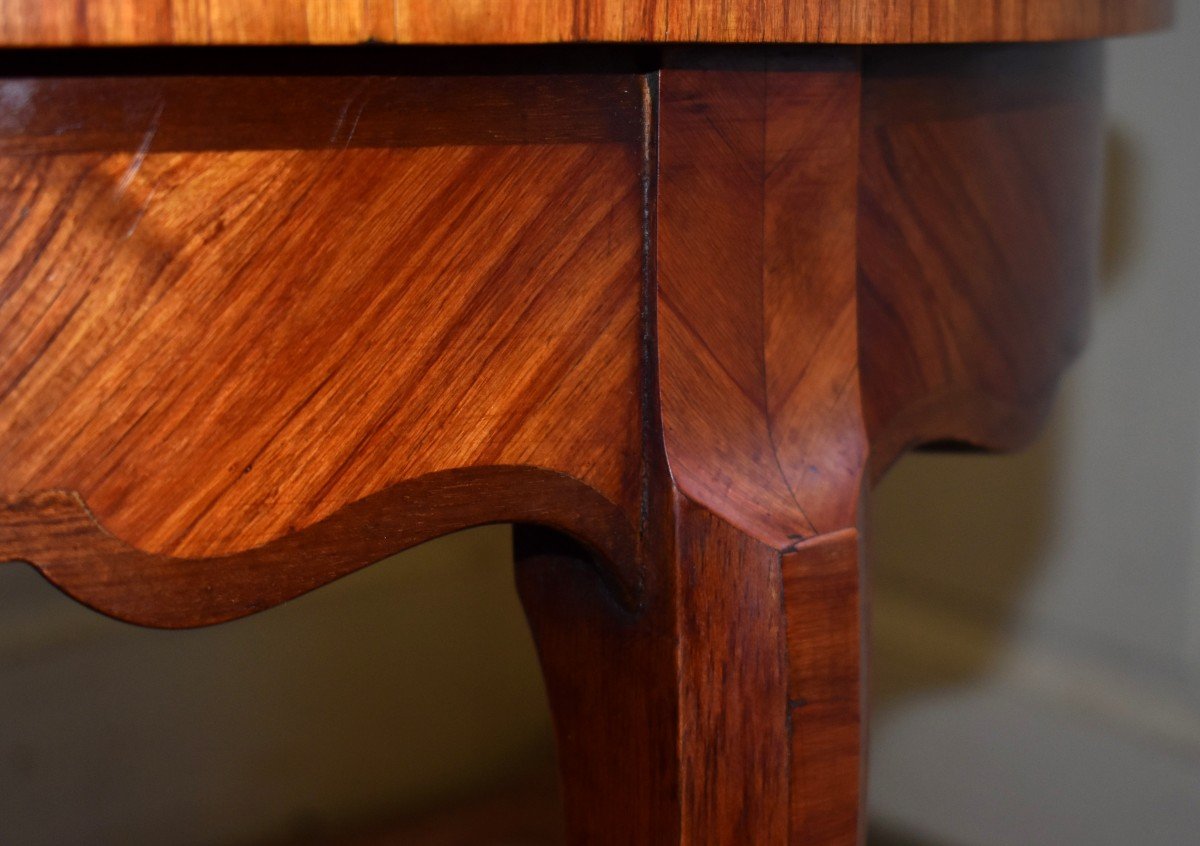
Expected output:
(268, 315)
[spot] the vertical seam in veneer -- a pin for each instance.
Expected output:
(651, 447)
(762, 295)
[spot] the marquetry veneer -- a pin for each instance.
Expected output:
(270, 315)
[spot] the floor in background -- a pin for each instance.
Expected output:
(528, 813)
(525, 814)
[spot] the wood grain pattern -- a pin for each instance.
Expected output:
(733, 733)
(763, 431)
(611, 675)
(978, 224)
(823, 593)
(257, 332)
(56, 530)
(773, 344)
(123, 22)
(215, 347)
(711, 309)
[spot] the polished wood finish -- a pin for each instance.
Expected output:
(760, 412)
(57, 531)
(124, 22)
(668, 321)
(243, 344)
(977, 232)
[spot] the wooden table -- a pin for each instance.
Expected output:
(269, 314)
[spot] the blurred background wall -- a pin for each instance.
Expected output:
(1037, 618)
(403, 687)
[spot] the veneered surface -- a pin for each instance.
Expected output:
(978, 224)
(58, 22)
(217, 346)
(673, 359)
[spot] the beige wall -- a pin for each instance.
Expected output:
(404, 684)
